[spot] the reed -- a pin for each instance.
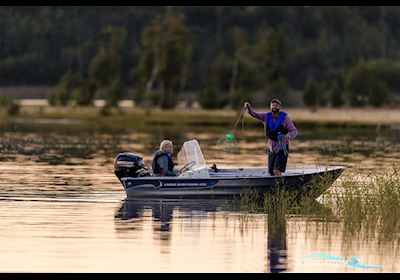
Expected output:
(366, 203)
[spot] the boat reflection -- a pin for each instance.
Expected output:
(132, 214)
(162, 210)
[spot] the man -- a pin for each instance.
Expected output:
(279, 129)
(163, 165)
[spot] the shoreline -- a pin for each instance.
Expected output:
(38, 109)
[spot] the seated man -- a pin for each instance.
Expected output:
(163, 165)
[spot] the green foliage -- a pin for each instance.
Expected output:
(373, 82)
(208, 99)
(275, 56)
(221, 70)
(278, 88)
(239, 98)
(322, 97)
(105, 110)
(84, 94)
(138, 96)
(211, 98)
(369, 201)
(310, 94)
(113, 92)
(99, 69)
(11, 106)
(315, 94)
(105, 69)
(336, 97)
(164, 59)
(243, 68)
(63, 92)
(186, 47)
(13, 109)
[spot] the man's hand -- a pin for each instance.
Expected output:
(246, 104)
(286, 138)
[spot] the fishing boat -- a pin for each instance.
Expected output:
(197, 180)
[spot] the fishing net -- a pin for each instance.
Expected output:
(227, 142)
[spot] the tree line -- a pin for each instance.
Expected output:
(224, 55)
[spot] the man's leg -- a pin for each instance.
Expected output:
(280, 163)
(271, 162)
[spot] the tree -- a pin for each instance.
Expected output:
(208, 98)
(105, 69)
(84, 94)
(269, 56)
(310, 94)
(164, 58)
(63, 92)
(336, 95)
(373, 82)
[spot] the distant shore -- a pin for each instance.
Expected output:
(38, 108)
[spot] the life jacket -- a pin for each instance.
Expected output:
(272, 129)
(156, 167)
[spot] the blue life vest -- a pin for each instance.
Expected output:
(156, 167)
(272, 129)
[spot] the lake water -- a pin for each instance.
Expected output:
(63, 210)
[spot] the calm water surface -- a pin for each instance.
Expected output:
(63, 210)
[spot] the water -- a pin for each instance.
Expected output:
(63, 210)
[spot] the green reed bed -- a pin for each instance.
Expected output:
(366, 203)
(281, 202)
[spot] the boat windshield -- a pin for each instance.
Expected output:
(191, 152)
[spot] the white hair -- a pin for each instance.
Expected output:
(165, 143)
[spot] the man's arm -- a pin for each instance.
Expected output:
(292, 130)
(260, 116)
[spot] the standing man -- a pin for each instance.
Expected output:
(163, 165)
(279, 129)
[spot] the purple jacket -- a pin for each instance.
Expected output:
(288, 123)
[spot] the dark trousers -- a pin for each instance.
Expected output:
(277, 161)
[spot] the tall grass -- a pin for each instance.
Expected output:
(366, 203)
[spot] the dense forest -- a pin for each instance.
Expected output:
(218, 55)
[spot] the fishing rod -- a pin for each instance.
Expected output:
(241, 117)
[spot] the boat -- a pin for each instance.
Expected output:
(197, 180)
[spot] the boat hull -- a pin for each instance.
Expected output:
(312, 184)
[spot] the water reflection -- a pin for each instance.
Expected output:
(277, 244)
(135, 214)
(162, 213)
(70, 165)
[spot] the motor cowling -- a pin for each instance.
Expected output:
(130, 165)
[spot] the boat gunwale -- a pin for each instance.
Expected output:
(244, 176)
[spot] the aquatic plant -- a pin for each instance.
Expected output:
(368, 203)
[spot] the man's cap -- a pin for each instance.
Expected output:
(276, 100)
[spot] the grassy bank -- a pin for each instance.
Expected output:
(183, 116)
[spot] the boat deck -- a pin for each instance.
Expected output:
(263, 172)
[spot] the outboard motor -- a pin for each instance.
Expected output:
(130, 165)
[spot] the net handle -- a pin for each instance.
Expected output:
(241, 116)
